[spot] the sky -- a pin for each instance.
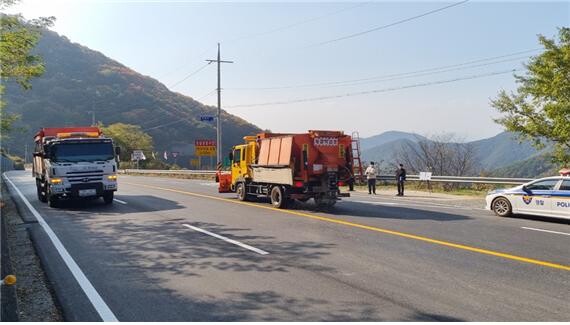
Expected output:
(304, 65)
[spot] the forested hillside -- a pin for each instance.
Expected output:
(79, 80)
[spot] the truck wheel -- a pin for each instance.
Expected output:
(40, 189)
(52, 200)
(241, 193)
(108, 197)
(278, 198)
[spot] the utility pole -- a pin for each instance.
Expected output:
(219, 119)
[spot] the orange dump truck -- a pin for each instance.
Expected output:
(286, 167)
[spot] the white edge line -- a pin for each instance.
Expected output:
(117, 200)
(544, 230)
(407, 204)
(235, 242)
(98, 303)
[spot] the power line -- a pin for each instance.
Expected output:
(390, 25)
(190, 75)
(302, 22)
(206, 95)
(415, 73)
(165, 124)
(278, 29)
(313, 99)
(183, 65)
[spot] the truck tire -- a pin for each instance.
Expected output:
(52, 200)
(41, 193)
(108, 197)
(278, 199)
(241, 192)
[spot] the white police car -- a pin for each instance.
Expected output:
(549, 197)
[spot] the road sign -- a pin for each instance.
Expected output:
(138, 155)
(205, 147)
(205, 151)
(204, 143)
(206, 118)
(425, 176)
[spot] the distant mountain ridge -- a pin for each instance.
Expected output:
(79, 80)
(388, 136)
(491, 154)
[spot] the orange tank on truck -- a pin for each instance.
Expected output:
(287, 167)
(74, 162)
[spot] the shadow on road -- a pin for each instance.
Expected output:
(172, 273)
(542, 219)
(136, 204)
(357, 209)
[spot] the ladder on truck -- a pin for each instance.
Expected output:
(357, 169)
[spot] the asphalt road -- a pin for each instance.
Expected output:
(176, 250)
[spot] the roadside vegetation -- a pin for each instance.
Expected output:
(539, 110)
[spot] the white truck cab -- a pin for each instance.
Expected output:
(74, 163)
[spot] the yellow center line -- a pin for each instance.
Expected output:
(371, 228)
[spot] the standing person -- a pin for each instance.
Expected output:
(401, 178)
(371, 177)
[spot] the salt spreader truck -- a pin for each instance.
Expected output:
(286, 167)
(74, 162)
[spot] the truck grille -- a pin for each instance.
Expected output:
(85, 176)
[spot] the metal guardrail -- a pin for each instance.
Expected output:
(462, 179)
(384, 178)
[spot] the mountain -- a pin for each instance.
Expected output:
(534, 167)
(502, 150)
(386, 137)
(386, 153)
(490, 154)
(79, 80)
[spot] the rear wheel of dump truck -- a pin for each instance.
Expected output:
(41, 191)
(278, 198)
(240, 191)
(108, 197)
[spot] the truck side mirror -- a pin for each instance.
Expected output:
(117, 150)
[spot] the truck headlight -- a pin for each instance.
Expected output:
(112, 177)
(56, 181)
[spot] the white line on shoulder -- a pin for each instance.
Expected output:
(544, 230)
(235, 242)
(119, 201)
(92, 294)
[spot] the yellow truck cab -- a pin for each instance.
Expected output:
(242, 157)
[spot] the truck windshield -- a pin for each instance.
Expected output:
(75, 152)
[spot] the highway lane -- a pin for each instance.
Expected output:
(147, 265)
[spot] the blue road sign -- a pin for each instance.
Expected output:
(206, 118)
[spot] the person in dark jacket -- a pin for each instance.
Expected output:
(401, 178)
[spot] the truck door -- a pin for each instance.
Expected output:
(236, 163)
